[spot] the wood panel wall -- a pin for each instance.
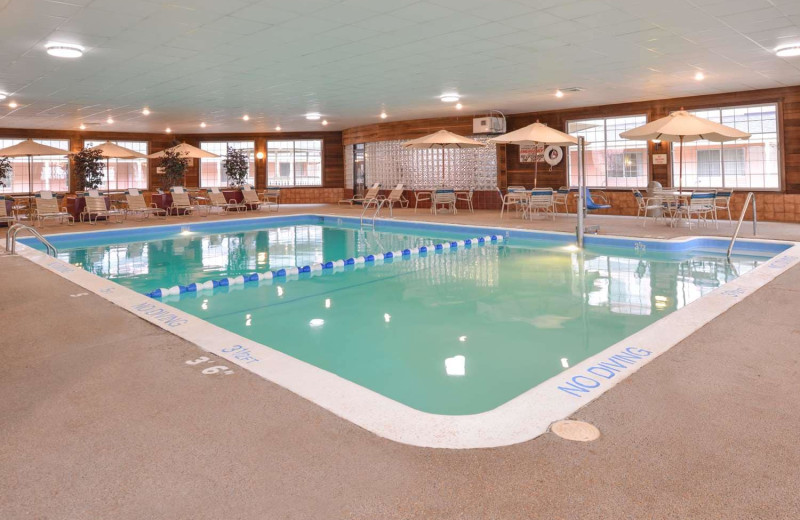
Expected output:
(332, 162)
(512, 172)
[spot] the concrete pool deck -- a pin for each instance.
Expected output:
(110, 422)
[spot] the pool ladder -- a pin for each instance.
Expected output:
(11, 239)
(374, 215)
(750, 197)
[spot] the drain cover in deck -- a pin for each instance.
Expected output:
(575, 430)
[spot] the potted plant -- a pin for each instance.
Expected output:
(89, 167)
(5, 170)
(236, 167)
(173, 168)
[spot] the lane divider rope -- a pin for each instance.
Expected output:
(321, 268)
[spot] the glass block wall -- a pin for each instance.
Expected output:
(389, 164)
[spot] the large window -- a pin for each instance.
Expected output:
(752, 163)
(294, 163)
(212, 171)
(47, 172)
(121, 174)
(610, 161)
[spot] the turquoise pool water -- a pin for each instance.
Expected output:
(456, 332)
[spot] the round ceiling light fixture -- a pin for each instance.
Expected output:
(110, 120)
(699, 76)
(245, 118)
(313, 116)
(324, 122)
(169, 130)
(278, 128)
(559, 93)
(82, 127)
(145, 111)
(384, 115)
(459, 106)
(64, 50)
(13, 104)
(203, 124)
(3, 95)
(452, 97)
(788, 51)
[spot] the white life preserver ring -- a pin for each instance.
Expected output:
(553, 155)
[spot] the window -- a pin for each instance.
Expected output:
(294, 163)
(47, 172)
(752, 163)
(121, 174)
(212, 171)
(610, 161)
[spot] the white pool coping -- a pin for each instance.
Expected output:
(520, 419)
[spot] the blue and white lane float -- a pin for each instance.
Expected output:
(322, 268)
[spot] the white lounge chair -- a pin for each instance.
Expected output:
(47, 209)
(138, 206)
(371, 194)
(217, 200)
(182, 205)
(250, 199)
(395, 197)
(96, 207)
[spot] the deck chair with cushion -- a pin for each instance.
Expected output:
(47, 209)
(371, 194)
(138, 206)
(96, 207)
(217, 200)
(182, 205)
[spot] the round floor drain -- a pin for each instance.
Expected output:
(575, 430)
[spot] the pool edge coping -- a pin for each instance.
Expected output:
(518, 420)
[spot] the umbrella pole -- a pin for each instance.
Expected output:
(536, 167)
(30, 188)
(680, 170)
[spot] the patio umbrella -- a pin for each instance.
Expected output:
(30, 149)
(110, 151)
(443, 139)
(681, 126)
(187, 150)
(536, 134)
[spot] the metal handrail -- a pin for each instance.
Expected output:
(11, 239)
(750, 197)
(374, 215)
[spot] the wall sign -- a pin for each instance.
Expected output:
(659, 158)
(529, 153)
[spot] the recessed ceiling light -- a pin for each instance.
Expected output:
(64, 50)
(278, 128)
(450, 98)
(146, 111)
(313, 116)
(203, 124)
(82, 127)
(324, 122)
(3, 95)
(384, 115)
(13, 104)
(110, 120)
(169, 130)
(459, 106)
(699, 76)
(559, 94)
(788, 51)
(246, 117)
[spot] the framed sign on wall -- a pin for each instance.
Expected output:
(529, 153)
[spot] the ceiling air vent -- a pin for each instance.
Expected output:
(572, 89)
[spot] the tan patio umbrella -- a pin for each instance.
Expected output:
(110, 151)
(682, 127)
(187, 150)
(443, 139)
(536, 134)
(30, 149)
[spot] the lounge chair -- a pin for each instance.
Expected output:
(251, 200)
(4, 216)
(372, 193)
(96, 207)
(182, 205)
(540, 201)
(138, 206)
(47, 209)
(445, 198)
(395, 197)
(217, 200)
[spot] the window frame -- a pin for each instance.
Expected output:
(117, 142)
(68, 160)
(646, 153)
(293, 172)
(778, 104)
(253, 160)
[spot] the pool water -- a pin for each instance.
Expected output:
(457, 332)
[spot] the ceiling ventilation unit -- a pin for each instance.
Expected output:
(572, 89)
(494, 123)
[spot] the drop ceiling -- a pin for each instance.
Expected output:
(193, 61)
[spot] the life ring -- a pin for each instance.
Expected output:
(553, 155)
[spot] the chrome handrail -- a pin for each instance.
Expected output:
(11, 239)
(374, 215)
(750, 197)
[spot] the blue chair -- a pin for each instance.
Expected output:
(591, 205)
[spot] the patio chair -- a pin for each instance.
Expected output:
(217, 200)
(47, 209)
(561, 198)
(395, 197)
(138, 206)
(182, 205)
(540, 201)
(516, 197)
(371, 193)
(722, 201)
(648, 206)
(271, 197)
(96, 207)
(591, 205)
(422, 196)
(445, 198)
(700, 205)
(4, 216)
(250, 199)
(466, 196)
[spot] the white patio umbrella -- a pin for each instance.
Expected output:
(536, 134)
(682, 127)
(187, 150)
(443, 139)
(30, 149)
(110, 151)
